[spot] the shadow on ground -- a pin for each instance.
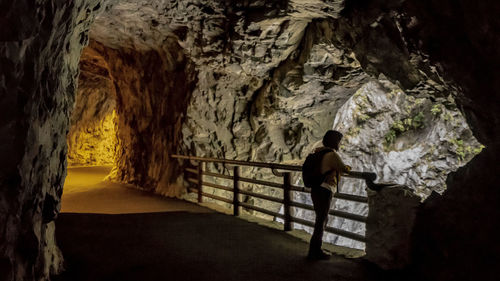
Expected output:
(189, 246)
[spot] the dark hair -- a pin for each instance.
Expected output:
(332, 139)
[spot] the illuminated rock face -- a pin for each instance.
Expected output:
(152, 88)
(40, 45)
(92, 137)
(93, 144)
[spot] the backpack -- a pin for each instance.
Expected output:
(311, 169)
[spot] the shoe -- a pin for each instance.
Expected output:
(321, 255)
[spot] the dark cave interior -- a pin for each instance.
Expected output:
(147, 74)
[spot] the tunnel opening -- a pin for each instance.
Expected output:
(92, 138)
(134, 84)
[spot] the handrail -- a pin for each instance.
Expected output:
(285, 185)
(352, 174)
(239, 162)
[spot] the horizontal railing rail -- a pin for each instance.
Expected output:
(195, 177)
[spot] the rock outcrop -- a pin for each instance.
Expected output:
(40, 45)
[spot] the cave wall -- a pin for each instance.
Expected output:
(152, 88)
(270, 83)
(92, 135)
(272, 77)
(40, 45)
(441, 49)
(455, 235)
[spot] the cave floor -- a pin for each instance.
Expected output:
(111, 232)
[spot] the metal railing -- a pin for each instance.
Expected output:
(285, 185)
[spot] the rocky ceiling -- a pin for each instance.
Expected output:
(145, 24)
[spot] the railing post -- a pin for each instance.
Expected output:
(287, 201)
(200, 182)
(236, 190)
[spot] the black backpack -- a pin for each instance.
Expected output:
(311, 169)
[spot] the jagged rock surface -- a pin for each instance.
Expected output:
(446, 52)
(40, 45)
(405, 139)
(273, 105)
(271, 80)
(456, 39)
(152, 89)
(92, 137)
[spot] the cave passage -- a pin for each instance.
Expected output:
(143, 97)
(412, 84)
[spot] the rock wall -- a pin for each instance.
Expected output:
(453, 239)
(40, 45)
(273, 76)
(281, 84)
(93, 144)
(411, 140)
(92, 137)
(152, 89)
(277, 73)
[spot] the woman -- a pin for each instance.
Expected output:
(332, 168)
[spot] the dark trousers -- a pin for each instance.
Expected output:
(322, 198)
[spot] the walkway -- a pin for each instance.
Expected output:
(117, 233)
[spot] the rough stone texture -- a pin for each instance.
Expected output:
(258, 52)
(92, 137)
(391, 219)
(146, 27)
(260, 110)
(455, 233)
(406, 139)
(152, 89)
(411, 140)
(271, 80)
(93, 144)
(40, 45)
(277, 111)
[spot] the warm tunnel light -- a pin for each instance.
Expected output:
(93, 143)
